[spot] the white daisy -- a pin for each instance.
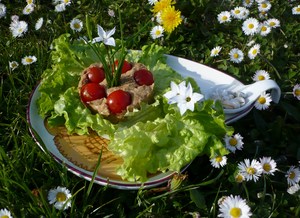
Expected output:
(240, 13)
(233, 143)
(218, 161)
(264, 29)
(247, 3)
(14, 18)
(18, 28)
(2, 10)
(263, 102)
(260, 75)
(234, 206)
(296, 91)
(264, 6)
(60, 7)
(215, 51)
(13, 65)
(186, 100)
(254, 51)
(28, 9)
(250, 43)
(39, 23)
(251, 171)
(250, 26)
(273, 22)
(5, 213)
(293, 175)
(224, 17)
(293, 189)
(268, 165)
(60, 198)
(27, 60)
(239, 178)
(105, 36)
(236, 55)
(76, 25)
(157, 32)
(296, 10)
(30, 2)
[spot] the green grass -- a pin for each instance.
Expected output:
(27, 173)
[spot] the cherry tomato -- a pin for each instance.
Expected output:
(92, 91)
(143, 77)
(126, 66)
(118, 101)
(96, 74)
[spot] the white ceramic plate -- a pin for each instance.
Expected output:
(206, 77)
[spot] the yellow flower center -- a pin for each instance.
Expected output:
(235, 55)
(61, 197)
(28, 60)
(254, 51)
(66, 1)
(262, 100)
(235, 212)
(264, 5)
(292, 175)
(263, 28)
(237, 11)
(239, 178)
(4, 216)
(267, 167)
(233, 142)
(297, 92)
(251, 26)
(76, 25)
(260, 77)
(298, 9)
(272, 23)
(247, 1)
(251, 170)
(224, 18)
(157, 32)
(219, 159)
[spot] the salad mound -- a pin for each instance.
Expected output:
(156, 137)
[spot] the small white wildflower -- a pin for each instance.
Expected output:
(2, 10)
(152, 2)
(293, 175)
(59, 197)
(234, 206)
(4, 213)
(233, 143)
(236, 55)
(251, 171)
(76, 25)
(293, 189)
(218, 161)
(239, 178)
(296, 10)
(264, 6)
(263, 102)
(175, 90)
(215, 51)
(111, 13)
(105, 36)
(28, 9)
(261, 75)
(240, 13)
(268, 165)
(296, 91)
(18, 28)
(157, 32)
(27, 60)
(39, 23)
(250, 26)
(264, 29)
(273, 22)
(13, 65)
(224, 17)
(247, 3)
(254, 51)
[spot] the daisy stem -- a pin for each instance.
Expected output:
(274, 68)
(264, 190)
(246, 191)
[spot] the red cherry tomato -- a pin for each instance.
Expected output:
(126, 66)
(143, 77)
(92, 91)
(96, 74)
(118, 101)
